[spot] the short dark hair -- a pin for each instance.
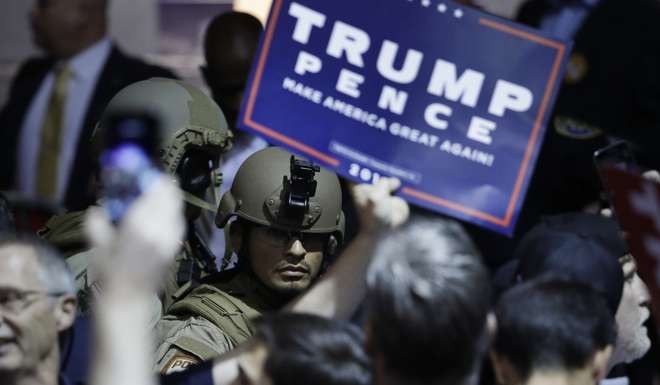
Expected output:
(427, 301)
(585, 247)
(305, 349)
(552, 323)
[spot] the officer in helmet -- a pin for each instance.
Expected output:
(287, 221)
(193, 134)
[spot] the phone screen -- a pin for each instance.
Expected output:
(128, 160)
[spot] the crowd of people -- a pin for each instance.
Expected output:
(243, 263)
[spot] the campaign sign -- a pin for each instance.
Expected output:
(636, 202)
(448, 99)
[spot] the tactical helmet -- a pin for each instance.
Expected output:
(273, 188)
(187, 117)
(188, 120)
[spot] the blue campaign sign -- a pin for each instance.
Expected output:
(450, 100)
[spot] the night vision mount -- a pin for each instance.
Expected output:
(295, 205)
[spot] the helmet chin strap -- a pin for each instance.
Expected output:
(216, 179)
(198, 202)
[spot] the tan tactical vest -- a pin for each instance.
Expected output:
(230, 306)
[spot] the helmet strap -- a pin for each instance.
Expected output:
(198, 202)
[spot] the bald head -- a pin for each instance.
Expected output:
(230, 43)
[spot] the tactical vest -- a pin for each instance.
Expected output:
(227, 313)
(66, 233)
(230, 305)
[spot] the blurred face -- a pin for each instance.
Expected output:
(55, 25)
(226, 72)
(632, 342)
(283, 261)
(28, 321)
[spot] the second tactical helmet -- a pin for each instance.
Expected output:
(189, 122)
(187, 117)
(275, 189)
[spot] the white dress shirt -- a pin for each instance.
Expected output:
(85, 70)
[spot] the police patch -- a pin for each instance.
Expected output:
(576, 68)
(179, 363)
(575, 129)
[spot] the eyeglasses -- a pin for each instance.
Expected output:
(13, 301)
(283, 238)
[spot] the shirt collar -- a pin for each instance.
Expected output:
(89, 62)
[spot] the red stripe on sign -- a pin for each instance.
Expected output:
(554, 73)
(453, 205)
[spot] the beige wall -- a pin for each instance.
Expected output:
(504, 8)
(258, 8)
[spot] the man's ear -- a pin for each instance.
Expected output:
(65, 311)
(331, 246)
(599, 362)
(236, 235)
(505, 373)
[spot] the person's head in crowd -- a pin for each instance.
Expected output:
(591, 249)
(634, 310)
(303, 349)
(230, 44)
(37, 302)
(192, 131)
(428, 296)
(552, 330)
(288, 219)
(64, 28)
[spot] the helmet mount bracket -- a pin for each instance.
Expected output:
(294, 205)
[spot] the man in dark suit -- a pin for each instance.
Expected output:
(56, 100)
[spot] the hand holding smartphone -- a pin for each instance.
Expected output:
(128, 161)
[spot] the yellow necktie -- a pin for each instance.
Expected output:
(51, 132)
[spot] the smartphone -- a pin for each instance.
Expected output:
(128, 160)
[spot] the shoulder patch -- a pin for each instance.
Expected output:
(575, 129)
(178, 363)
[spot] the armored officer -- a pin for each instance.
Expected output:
(288, 222)
(193, 134)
